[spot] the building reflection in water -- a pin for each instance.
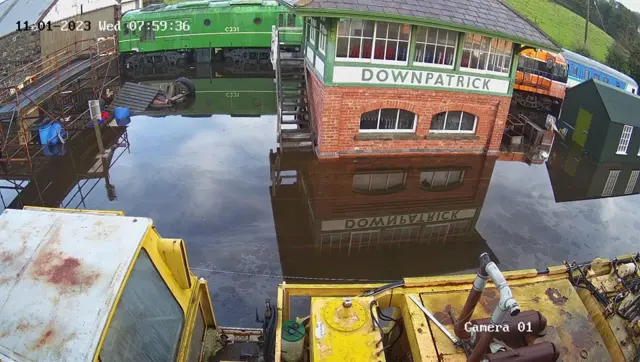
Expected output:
(67, 178)
(575, 176)
(378, 218)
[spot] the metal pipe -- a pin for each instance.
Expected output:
(539, 352)
(528, 322)
(508, 304)
(472, 300)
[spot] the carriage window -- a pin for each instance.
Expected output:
(147, 34)
(574, 70)
(147, 323)
(596, 76)
(586, 74)
(454, 121)
(388, 120)
(436, 46)
(371, 41)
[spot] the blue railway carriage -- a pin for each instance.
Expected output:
(582, 68)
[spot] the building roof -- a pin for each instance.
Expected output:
(490, 16)
(598, 66)
(621, 106)
(60, 276)
(21, 10)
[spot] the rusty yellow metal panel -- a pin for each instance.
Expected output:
(569, 326)
(418, 332)
(344, 332)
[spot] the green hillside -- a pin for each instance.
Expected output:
(564, 26)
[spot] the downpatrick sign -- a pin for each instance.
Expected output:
(419, 78)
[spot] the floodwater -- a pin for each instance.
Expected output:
(207, 179)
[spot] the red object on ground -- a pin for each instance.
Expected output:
(104, 115)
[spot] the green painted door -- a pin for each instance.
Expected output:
(583, 122)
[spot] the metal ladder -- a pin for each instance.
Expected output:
(293, 116)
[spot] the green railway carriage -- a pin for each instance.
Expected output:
(202, 28)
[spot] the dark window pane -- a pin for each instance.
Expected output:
(421, 34)
(366, 48)
(343, 47)
(453, 121)
(468, 121)
(439, 179)
(449, 56)
(368, 28)
(388, 118)
(482, 62)
(442, 37)
(419, 57)
(355, 48)
(369, 120)
(391, 50)
(432, 36)
(378, 182)
(381, 30)
(437, 123)
(379, 49)
(343, 28)
(406, 119)
(403, 50)
(394, 31)
(430, 54)
(356, 28)
(466, 55)
(396, 179)
(440, 58)
(451, 38)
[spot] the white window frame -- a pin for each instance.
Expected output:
(485, 71)
(612, 179)
(372, 59)
(631, 184)
(312, 31)
(322, 39)
(460, 182)
(475, 123)
(386, 188)
(378, 130)
(625, 139)
(426, 42)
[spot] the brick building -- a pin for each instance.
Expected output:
(411, 76)
(409, 216)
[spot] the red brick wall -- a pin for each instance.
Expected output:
(338, 122)
(315, 90)
(330, 185)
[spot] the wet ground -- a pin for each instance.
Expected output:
(207, 179)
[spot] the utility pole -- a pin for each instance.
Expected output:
(586, 25)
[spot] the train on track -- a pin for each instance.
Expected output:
(201, 31)
(543, 77)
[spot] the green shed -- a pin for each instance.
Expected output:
(603, 120)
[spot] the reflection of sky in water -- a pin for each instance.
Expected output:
(207, 180)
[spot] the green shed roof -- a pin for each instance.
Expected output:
(621, 106)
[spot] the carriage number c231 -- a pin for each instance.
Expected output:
(232, 29)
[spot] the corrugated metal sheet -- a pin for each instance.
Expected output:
(59, 277)
(136, 97)
(21, 10)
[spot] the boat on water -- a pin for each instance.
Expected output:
(82, 285)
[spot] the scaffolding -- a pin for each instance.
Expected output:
(49, 190)
(53, 88)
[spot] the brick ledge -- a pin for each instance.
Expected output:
(451, 136)
(385, 136)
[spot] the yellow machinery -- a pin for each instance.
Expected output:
(100, 286)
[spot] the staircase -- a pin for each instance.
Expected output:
(294, 121)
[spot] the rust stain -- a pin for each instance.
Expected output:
(565, 314)
(45, 338)
(66, 273)
(489, 300)
(536, 299)
(55, 236)
(24, 326)
(556, 297)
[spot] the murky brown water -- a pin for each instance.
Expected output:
(208, 180)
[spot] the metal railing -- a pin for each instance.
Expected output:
(17, 141)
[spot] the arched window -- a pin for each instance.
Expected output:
(388, 120)
(454, 121)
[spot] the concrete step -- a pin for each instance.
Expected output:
(298, 135)
(296, 144)
(294, 113)
(294, 121)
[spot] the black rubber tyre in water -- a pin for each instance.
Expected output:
(186, 83)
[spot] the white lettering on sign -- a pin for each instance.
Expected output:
(394, 220)
(232, 29)
(423, 78)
